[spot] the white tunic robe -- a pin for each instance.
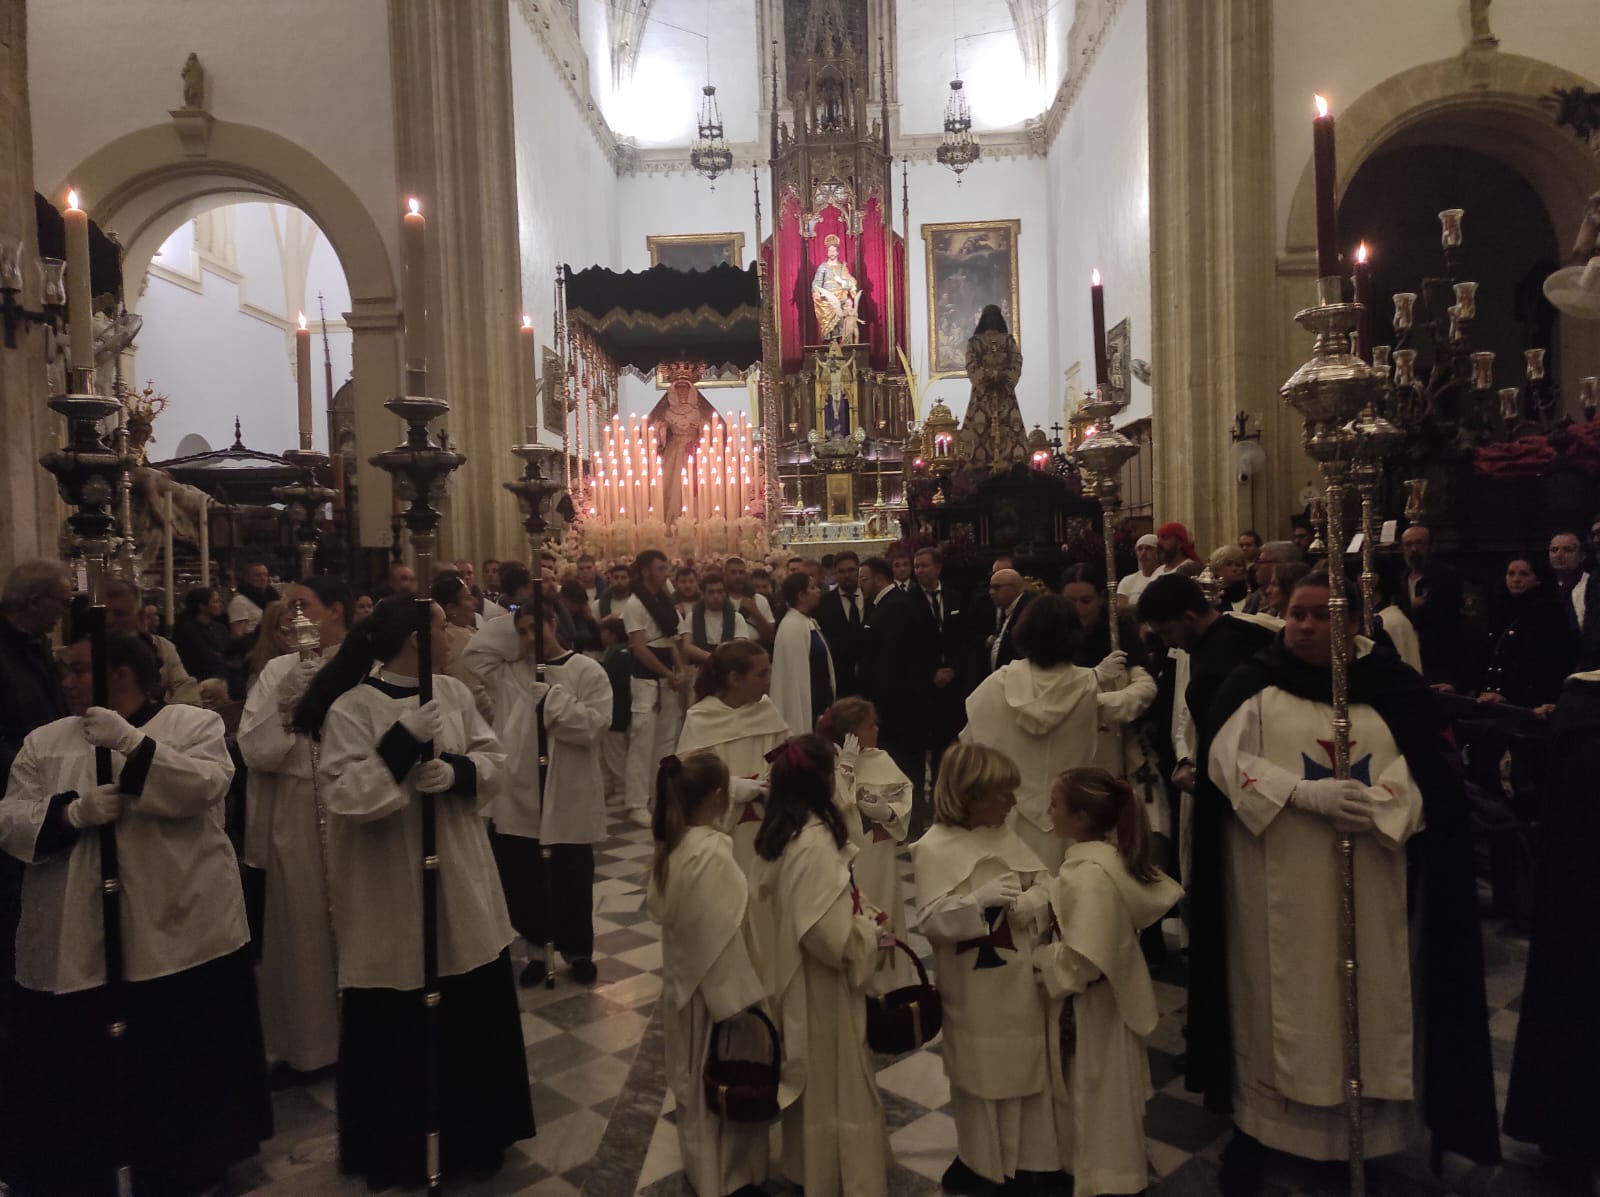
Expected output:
(791, 671)
(298, 976)
(375, 842)
(877, 863)
(181, 901)
(1100, 1099)
(577, 713)
(1282, 928)
(994, 1031)
(818, 961)
(740, 737)
(1046, 720)
(709, 975)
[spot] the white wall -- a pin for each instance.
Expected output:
(314, 72)
(1344, 50)
(1098, 175)
(566, 188)
(218, 337)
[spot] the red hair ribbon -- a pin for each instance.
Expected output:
(792, 754)
(826, 722)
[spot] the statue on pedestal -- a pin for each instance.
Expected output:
(992, 434)
(678, 420)
(834, 295)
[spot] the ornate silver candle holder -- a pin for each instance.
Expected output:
(420, 466)
(303, 502)
(1102, 457)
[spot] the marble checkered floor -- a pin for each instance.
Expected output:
(606, 1119)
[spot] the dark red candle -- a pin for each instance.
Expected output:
(1326, 182)
(1097, 306)
(1363, 272)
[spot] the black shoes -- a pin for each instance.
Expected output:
(584, 971)
(963, 1181)
(532, 974)
(1243, 1160)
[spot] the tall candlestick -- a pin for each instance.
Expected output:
(1363, 279)
(413, 293)
(302, 379)
(1326, 179)
(1097, 309)
(528, 348)
(80, 295)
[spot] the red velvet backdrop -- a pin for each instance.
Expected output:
(792, 291)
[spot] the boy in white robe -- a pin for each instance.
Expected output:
(1104, 895)
(819, 959)
(874, 797)
(699, 896)
(982, 903)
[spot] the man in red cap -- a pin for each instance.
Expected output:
(1176, 547)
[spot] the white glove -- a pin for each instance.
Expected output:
(100, 805)
(1113, 668)
(107, 729)
(426, 722)
(850, 752)
(1003, 890)
(1034, 899)
(1343, 803)
(435, 776)
(296, 681)
(745, 789)
(875, 808)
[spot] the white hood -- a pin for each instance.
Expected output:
(1043, 699)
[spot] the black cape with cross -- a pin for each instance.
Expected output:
(1457, 1088)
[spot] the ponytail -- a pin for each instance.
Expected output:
(378, 637)
(682, 788)
(1109, 805)
(728, 658)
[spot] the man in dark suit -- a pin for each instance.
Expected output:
(1007, 599)
(888, 676)
(1430, 594)
(841, 614)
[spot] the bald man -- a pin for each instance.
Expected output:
(1009, 597)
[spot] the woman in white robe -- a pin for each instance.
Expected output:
(874, 797)
(375, 762)
(982, 902)
(819, 959)
(803, 680)
(190, 1098)
(1043, 712)
(738, 722)
(699, 896)
(1106, 893)
(297, 975)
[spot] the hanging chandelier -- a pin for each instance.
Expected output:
(710, 154)
(959, 149)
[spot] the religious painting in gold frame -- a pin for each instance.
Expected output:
(841, 496)
(551, 390)
(971, 264)
(699, 251)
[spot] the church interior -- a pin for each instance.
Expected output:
(378, 285)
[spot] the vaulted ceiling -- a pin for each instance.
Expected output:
(649, 60)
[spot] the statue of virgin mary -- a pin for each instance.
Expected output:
(834, 294)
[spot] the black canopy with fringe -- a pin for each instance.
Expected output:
(661, 315)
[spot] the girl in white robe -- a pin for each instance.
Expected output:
(375, 735)
(1108, 891)
(699, 896)
(982, 902)
(736, 720)
(818, 962)
(874, 797)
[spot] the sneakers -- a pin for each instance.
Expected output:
(584, 971)
(640, 817)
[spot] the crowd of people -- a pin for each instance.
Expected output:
(787, 730)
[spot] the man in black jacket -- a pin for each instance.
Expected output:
(1430, 595)
(841, 614)
(1007, 600)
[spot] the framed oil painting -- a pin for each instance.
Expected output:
(550, 388)
(699, 251)
(1119, 360)
(970, 265)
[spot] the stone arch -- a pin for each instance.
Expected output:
(145, 184)
(1481, 100)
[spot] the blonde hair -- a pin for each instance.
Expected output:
(970, 773)
(270, 641)
(1109, 804)
(844, 718)
(682, 788)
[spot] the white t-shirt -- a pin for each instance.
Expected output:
(741, 629)
(761, 604)
(1132, 586)
(636, 618)
(243, 610)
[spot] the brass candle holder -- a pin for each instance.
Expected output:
(419, 467)
(303, 502)
(1329, 392)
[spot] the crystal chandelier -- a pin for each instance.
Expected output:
(710, 154)
(959, 149)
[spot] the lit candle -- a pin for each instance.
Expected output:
(302, 378)
(413, 293)
(528, 348)
(80, 294)
(1097, 311)
(1326, 178)
(1363, 280)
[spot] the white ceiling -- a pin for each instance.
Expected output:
(658, 104)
